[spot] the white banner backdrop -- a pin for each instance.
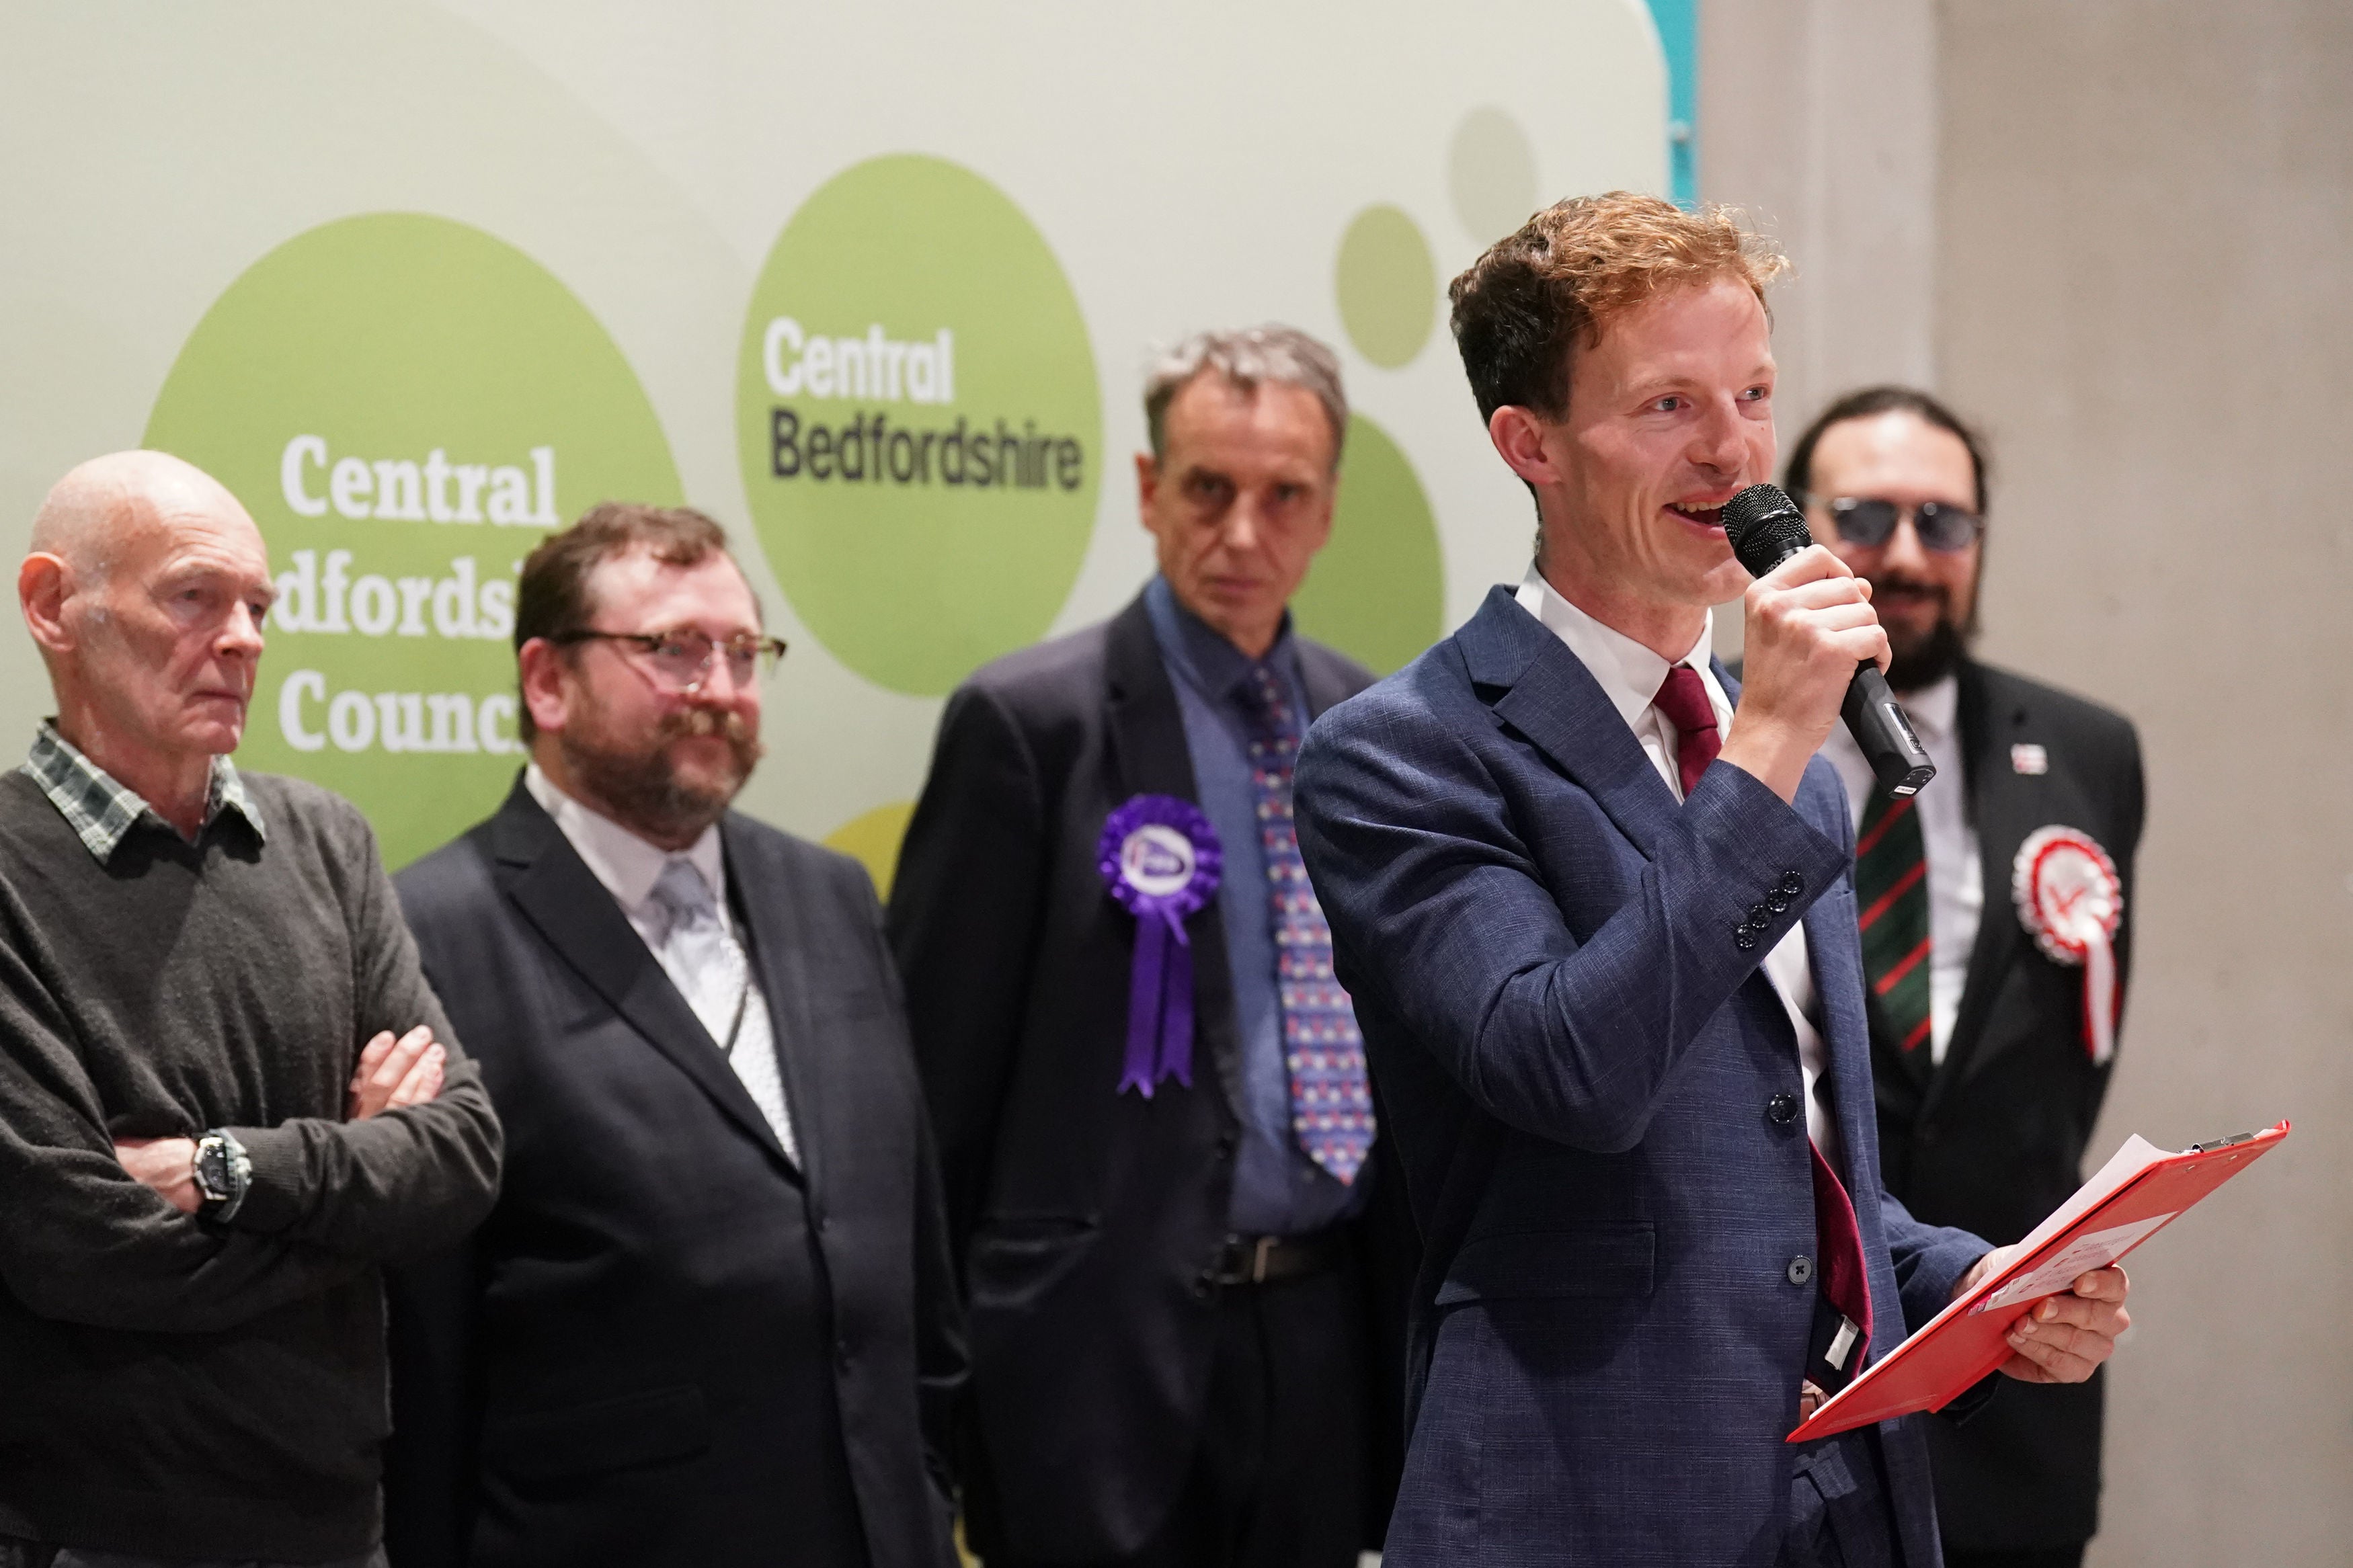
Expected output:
(873, 285)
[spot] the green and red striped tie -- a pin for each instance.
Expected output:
(1891, 884)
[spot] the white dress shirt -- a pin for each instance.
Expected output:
(1956, 874)
(1630, 676)
(628, 867)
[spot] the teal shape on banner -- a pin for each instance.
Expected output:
(1678, 25)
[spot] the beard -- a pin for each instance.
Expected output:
(1920, 662)
(639, 783)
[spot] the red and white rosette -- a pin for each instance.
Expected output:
(2071, 901)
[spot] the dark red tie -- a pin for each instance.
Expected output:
(1683, 699)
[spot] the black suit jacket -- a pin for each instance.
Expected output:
(1992, 1138)
(668, 1345)
(1084, 1219)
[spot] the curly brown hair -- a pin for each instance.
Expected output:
(1557, 282)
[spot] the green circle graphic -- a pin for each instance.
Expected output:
(1378, 591)
(1388, 286)
(919, 421)
(406, 405)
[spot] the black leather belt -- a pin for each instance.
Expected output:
(1263, 1259)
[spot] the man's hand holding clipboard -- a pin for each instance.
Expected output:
(2049, 1308)
(2064, 1338)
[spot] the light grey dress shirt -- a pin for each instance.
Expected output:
(714, 984)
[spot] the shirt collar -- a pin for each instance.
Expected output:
(102, 810)
(1934, 709)
(1199, 652)
(1630, 674)
(626, 865)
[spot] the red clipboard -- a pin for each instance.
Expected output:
(2135, 1194)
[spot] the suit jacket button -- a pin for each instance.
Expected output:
(1204, 1283)
(1802, 1270)
(1782, 1109)
(1744, 939)
(1760, 916)
(1792, 883)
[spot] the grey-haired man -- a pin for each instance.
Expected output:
(1158, 1190)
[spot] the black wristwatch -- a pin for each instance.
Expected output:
(222, 1173)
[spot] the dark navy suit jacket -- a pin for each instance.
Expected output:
(1576, 1058)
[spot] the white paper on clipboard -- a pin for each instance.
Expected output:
(2093, 1249)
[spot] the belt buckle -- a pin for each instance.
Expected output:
(1243, 1260)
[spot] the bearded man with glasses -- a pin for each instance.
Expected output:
(1988, 1075)
(711, 1319)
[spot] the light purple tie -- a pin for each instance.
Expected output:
(1331, 1099)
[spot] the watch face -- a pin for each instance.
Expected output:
(212, 1170)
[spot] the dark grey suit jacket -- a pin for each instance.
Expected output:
(1992, 1138)
(669, 1344)
(1085, 1220)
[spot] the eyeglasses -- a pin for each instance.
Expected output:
(1870, 522)
(681, 661)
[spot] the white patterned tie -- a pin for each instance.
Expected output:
(707, 964)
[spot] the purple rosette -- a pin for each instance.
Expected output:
(1160, 858)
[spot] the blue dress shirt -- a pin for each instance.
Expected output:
(1278, 1190)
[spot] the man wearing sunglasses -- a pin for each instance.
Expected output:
(711, 1320)
(1986, 1085)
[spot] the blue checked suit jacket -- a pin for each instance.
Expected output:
(1575, 1058)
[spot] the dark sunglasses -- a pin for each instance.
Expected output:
(1870, 522)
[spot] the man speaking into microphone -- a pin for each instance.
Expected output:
(1593, 900)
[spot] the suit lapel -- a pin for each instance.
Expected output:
(557, 893)
(1149, 756)
(2003, 808)
(1550, 698)
(774, 913)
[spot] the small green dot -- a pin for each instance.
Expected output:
(1388, 286)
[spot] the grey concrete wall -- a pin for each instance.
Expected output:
(2142, 215)
(2114, 231)
(1818, 118)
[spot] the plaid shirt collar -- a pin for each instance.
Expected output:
(101, 812)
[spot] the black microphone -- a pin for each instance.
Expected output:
(1766, 528)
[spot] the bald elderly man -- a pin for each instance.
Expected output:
(227, 1096)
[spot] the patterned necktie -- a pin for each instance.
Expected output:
(1331, 1099)
(1683, 699)
(709, 968)
(1891, 883)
